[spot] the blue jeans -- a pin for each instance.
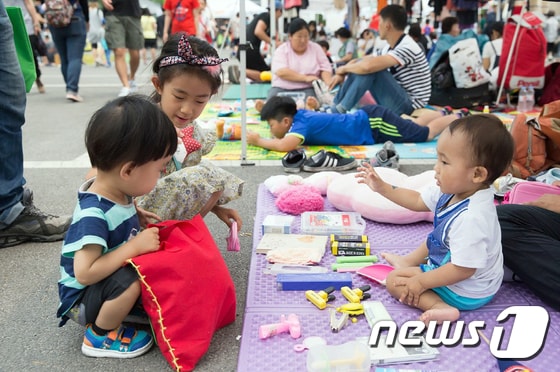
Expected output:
(382, 86)
(12, 117)
(70, 42)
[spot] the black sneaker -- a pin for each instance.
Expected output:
(293, 161)
(328, 161)
(233, 74)
(32, 225)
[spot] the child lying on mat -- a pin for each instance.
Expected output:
(460, 265)
(371, 124)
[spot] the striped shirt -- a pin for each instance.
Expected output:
(412, 71)
(97, 221)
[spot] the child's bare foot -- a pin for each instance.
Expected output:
(259, 103)
(440, 315)
(395, 260)
(311, 103)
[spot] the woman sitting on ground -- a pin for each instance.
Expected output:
(297, 63)
(349, 50)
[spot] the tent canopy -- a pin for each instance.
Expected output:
(229, 8)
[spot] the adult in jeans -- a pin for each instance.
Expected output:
(70, 42)
(299, 62)
(123, 32)
(20, 220)
(531, 244)
(398, 79)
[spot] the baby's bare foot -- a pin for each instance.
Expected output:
(440, 315)
(311, 103)
(395, 260)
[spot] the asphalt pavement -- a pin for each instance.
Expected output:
(55, 165)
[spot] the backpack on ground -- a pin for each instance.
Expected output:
(458, 79)
(537, 141)
(59, 12)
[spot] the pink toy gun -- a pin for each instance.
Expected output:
(286, 325)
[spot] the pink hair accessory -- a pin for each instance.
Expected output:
(185, 55)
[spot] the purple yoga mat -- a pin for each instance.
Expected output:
(265, 304)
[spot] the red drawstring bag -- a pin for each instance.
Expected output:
(187, 291)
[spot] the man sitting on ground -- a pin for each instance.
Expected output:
(398, 79)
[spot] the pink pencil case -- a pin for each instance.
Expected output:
(527, 191)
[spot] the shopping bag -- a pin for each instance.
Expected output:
(187, 291)
(466, 63)
(23, 46)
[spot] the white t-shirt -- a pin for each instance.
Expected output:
(488, 52)
(475, 241)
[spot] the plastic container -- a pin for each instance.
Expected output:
(352, 356)
(522, 99)
(277, 224)
(530, 98)
(326, 223)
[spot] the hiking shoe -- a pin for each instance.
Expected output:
(32, 225)
(293, 161)
(234, 74)
(122, 343)
(386, 157)
(328, 161)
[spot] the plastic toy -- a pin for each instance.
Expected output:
(320, 298)
(357, 294)
(291, 325)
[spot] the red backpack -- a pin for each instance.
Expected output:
(526, 66)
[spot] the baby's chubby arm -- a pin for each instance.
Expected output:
(288, 143)
(91, 266)
(406, 198)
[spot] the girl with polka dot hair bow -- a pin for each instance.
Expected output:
(186, 75)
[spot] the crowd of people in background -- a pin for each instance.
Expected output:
(341, 44)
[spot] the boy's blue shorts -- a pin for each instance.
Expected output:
(453, 299)
(388, 126)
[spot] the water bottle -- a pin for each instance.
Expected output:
(522, 99)
(530, 99)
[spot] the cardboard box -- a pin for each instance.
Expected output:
(277, 224)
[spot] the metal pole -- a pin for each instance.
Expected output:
(243, 79)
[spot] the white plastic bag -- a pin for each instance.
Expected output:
(466, 63)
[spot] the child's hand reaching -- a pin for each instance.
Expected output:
(146, 241)
(367, 175)
(253, 138)
(227, 214)
(146, 217)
